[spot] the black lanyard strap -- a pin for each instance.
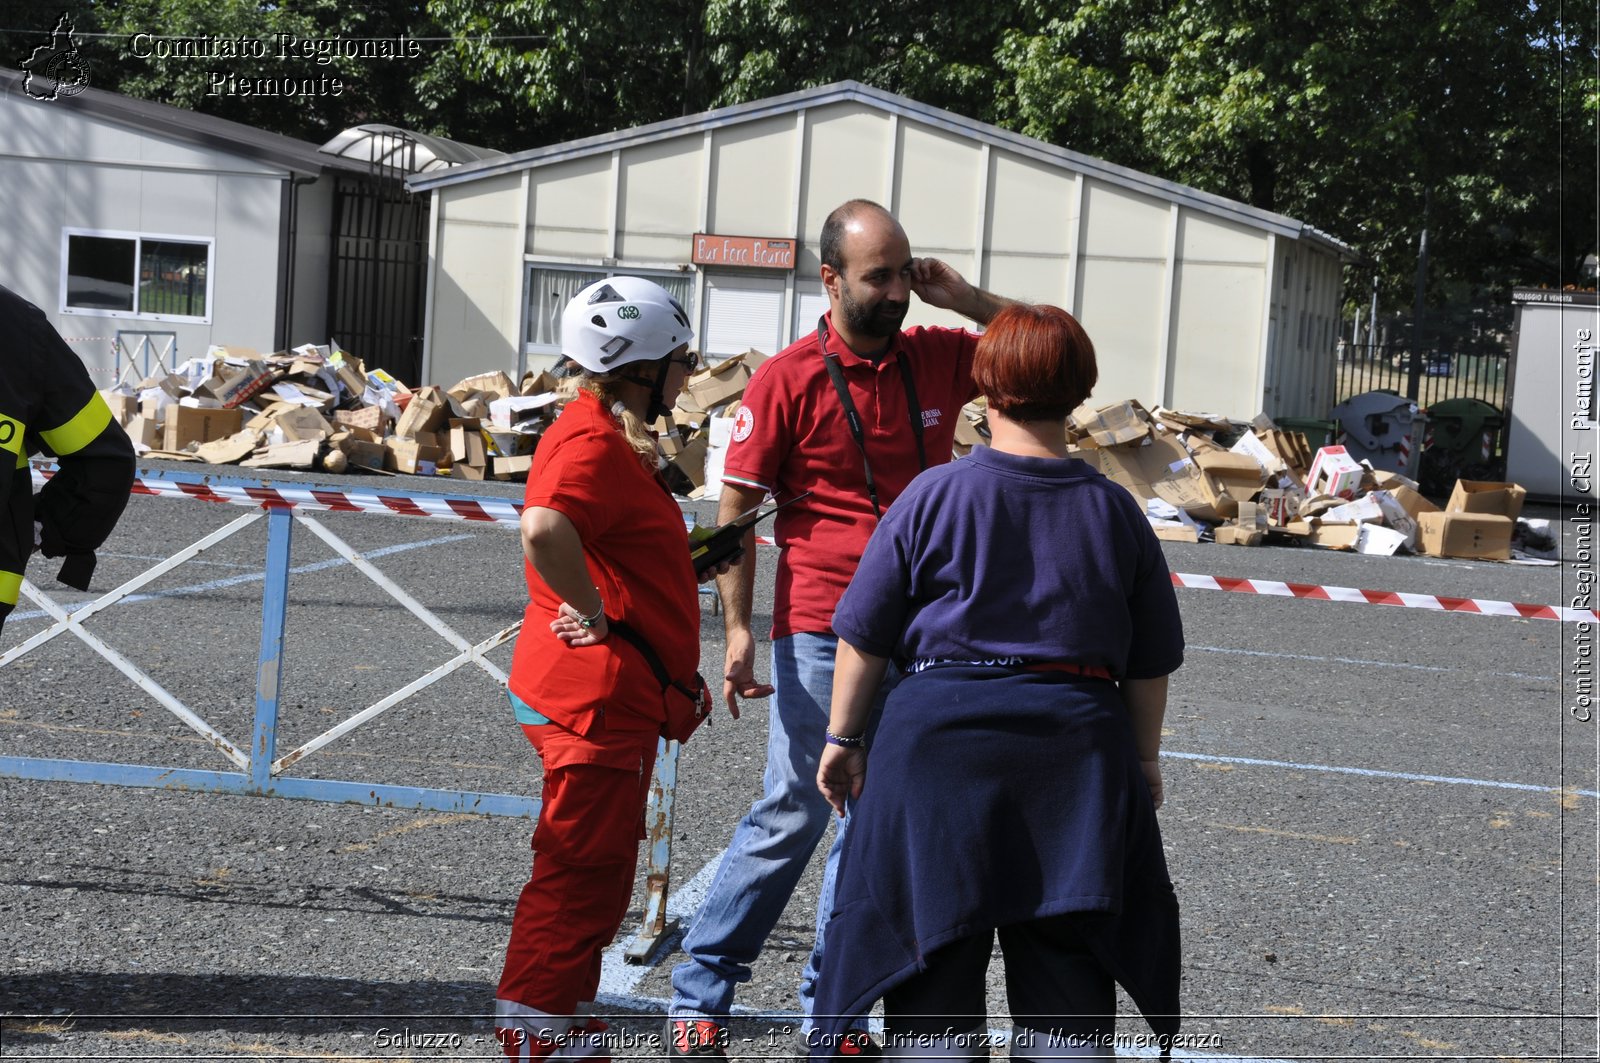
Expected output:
(853, 417)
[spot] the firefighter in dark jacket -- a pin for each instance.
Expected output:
(49, 406)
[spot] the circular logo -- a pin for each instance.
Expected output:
(628, 312)
(744, 422)
(70, 73)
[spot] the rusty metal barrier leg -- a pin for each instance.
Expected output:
(656, 927)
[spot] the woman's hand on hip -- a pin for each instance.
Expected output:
(568, 626)
(841, 775)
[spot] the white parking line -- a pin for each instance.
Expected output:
(1456, 670)
(1374, 773)
(618, 977)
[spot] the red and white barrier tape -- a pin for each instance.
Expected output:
(1400, 598)
(507, 512)
(332, 500)
(1403, 599)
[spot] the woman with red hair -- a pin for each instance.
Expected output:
(1013, 777)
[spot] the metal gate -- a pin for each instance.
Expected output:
(1441, 374)
(380, 249)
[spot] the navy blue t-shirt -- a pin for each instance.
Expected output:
(999, 555)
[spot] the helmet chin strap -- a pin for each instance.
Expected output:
(658, 407)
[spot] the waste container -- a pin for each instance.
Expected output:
(1461, 444)
(1318, 434)
(1381, 427)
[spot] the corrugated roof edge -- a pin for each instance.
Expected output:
(855, 91)
(207, 131)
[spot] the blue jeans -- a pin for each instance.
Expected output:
(773, 842)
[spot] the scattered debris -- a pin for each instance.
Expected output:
(1201, 477)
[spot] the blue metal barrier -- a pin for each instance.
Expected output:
(260, 768)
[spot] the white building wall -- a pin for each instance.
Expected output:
(751, 173)
(1121, 286)
(569, 216)
(942, 216)
(1300, 359)
(1172, 296)
(1029, 229)
(1555, 365)
(313, 263)
(658, 200)
(849, 152)
(60, 168)
(476, 314)
(1216, 326)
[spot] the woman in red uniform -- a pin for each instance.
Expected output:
(609, 580)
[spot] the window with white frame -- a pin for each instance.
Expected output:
(551, 287)
(136, 275)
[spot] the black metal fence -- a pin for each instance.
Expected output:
(182, 295)
(379, 274)
(1440, 374)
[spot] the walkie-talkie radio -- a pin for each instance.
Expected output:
(710, 547)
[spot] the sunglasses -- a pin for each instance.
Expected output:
(690, 360)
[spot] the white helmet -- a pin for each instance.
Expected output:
(620, 320)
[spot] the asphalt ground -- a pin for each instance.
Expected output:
(1381, 821)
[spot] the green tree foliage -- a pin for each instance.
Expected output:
(565, 69)
(1365, 118)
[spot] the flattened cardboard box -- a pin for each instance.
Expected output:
(239, 386)
(1412, 502)
(1486, 536)
(364, 454)
(145, 431)
(512, 468)
(301, 423)
(724, 382)
(227, 450)
(124, 408)
(497, 384)
(1112, 426)
(1173, 531)
(1335, 536)
(191, 424)
(1238, 474)
(425, 412)
(1486, 496)
(372, 418)
(1160, 469)
(300, 454)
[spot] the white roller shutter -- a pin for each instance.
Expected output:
(811, 302)
(742, 313)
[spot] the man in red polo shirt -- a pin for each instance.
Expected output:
(850, 413)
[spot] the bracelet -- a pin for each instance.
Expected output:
(851, 742)
(587, 622)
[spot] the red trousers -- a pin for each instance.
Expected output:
(585, 851)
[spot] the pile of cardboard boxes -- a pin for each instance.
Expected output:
(1198, 476)
(319, 407)
(1268, 484)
